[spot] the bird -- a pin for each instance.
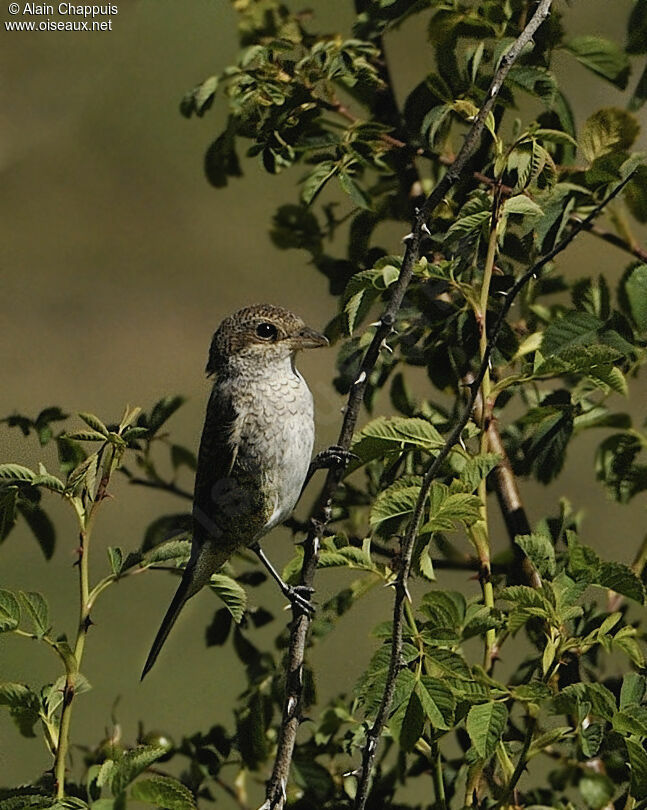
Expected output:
(255, 452)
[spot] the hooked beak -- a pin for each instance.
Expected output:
(307, 338)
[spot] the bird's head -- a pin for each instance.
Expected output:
(259, 334)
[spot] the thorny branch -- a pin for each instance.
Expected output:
(409, 539)
(276, 786)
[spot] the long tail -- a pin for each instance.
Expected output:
(187, 588)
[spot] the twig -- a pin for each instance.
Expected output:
(430, 474)
(452, 175)
(163, 486)
(275, 794)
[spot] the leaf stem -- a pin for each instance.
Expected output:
(437, 776)
(86, 523)
(480, 530)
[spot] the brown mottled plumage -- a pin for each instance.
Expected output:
(256, 444)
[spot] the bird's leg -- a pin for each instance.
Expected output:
(299, 595)
(333, 456)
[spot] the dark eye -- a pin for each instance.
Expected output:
(267, 331)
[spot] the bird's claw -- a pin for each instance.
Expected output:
(299, 597)
(334, 456)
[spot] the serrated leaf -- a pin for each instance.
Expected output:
(632, 692)
(17, 473)
(540, 551)
(116, 558)
(162, 411)
(634, 288)
(95, 423)
(37, 609)
(485, 724)
(132, 763)
(8, 511)
(603, 57)
(638, 762)
(607, 131)
(164, 792)
(394, 501)
(231, 593)
(446, 509)
(477, 468)
(314, 182)
(9, 611)
(632, 721)
(174, 550)
(390, 435)
(620, 578)
(437, 701)
(23, 704)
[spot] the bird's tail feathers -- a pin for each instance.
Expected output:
(188, 587)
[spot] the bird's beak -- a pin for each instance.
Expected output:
(307, 338)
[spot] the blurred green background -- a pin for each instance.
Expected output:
(118, 262)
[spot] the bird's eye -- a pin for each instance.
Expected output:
(267, 331)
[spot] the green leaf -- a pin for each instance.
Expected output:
(633, 721)
(476, 468)
(638, 762)
(317, 179)
(163, 791)
(637, 28)
(354, 190)
(116, 558)
(8, 511)
(40, 524)
(391, 435)
(573, 329)
(407, 722)
(24, 706)
(485, 725)
(132, 763)
(95, 423)
(596, 789)
(437, 701)
(177, 551)
(620, 578)
(607, 131)
(37, 608)
(16, 473)
(541, 552)
(395, 501)
(162, 412)
(231, 593)
(634, 290)
(603, 57)
(9, 611)
(182, 456)
(632, 692)
(446, 509)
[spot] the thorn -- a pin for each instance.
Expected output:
(315, 544)
(384, 345)
(502, 293)
(425, 229)
(494, 90)
(357, 773)
(407, 238)
(407, 594)
(360, 379)
(462, 443)
(292, 702)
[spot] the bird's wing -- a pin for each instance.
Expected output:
(216, 459)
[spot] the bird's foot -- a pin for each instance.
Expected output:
(299, 597)
(333, 456)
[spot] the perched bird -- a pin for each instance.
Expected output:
(256, 446)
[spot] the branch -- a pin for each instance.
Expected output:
(374, 732)
(276, 786)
